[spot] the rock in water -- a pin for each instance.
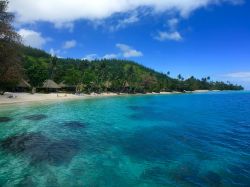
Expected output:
(41, 149)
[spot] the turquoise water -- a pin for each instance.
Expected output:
(167, 140)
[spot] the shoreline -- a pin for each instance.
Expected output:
(19, 98)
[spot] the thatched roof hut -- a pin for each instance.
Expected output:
(107, 84)
(50, 84)
(23, 84)
(126, 85)
(63, 85)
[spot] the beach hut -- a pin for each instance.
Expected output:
(50, 86)
(126, 87)
(23, 86)
(107, 85)
(67, 87)
(62, 85)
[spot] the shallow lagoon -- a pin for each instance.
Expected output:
(166, 140)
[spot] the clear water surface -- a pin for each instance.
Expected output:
(166, 140)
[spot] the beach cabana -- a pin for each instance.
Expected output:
(62, 85)
(107, 85)
(50, 86)
(67, 87)
(126, 87)
(23, 86)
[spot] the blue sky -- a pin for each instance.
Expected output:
(191, 37)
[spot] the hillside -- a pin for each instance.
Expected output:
(107, 75)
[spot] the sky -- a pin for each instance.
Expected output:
(191, 37)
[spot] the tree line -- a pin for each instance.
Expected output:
(112, 75)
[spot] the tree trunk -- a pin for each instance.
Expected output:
(33, 91)
(2, 92)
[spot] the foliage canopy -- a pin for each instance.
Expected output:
(109, 75)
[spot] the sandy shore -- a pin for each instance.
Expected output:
(12, 98)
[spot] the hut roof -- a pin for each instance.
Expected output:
(50, 84)
(23, 84)
(107, 84)
(63, 85)
(126, 84)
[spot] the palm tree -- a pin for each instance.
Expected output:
(179, 77)
(53, 65)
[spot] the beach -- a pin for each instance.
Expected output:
(13, 98)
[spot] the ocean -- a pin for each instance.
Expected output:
(184, 140)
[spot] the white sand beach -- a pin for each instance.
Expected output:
(12, 98)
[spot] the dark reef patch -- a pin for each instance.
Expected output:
(5, 119)
(140, 108)
(36, 117)
(24, 143)
(156, 174)
(186, 173)
(27, 182)
(52, 180)
(152, 143)
(59, 152)
(212, 179)
(41, 149)
(74, 124)
(148, 113)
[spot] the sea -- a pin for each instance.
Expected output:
(200, 139)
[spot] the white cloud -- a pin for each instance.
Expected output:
(242, 76)
(162, 36)
(65, 11)
(69, 44)
(171, 34)
(110, 56)
(173, 23)
(65, 25)
(32, 38)
(125, 51)
(122, 23)
(90, 57)
(128, 51)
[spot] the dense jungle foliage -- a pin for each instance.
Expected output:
(108, 75)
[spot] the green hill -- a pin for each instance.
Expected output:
(107, 75)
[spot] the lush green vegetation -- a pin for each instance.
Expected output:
(10, 69)
(108, 75)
